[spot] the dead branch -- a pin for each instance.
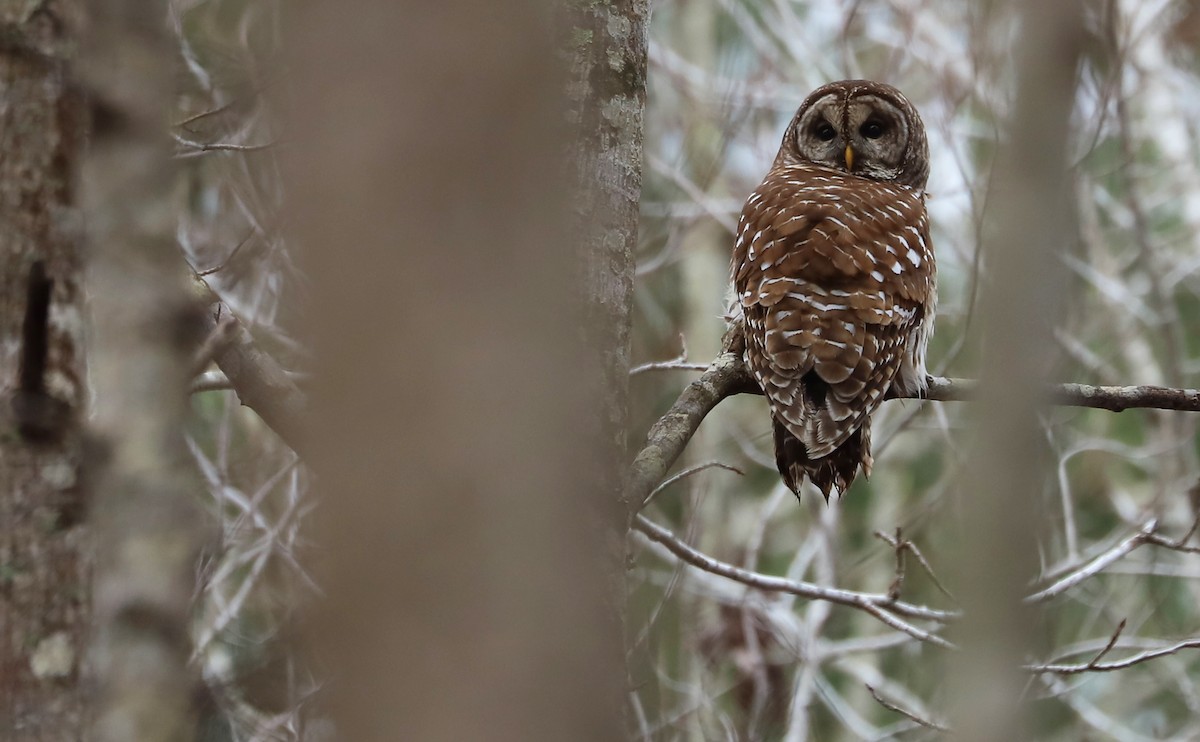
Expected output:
(1098, 564)
(881, 606)
(888, 611)
(200, 147)
(890, 706)
(902, 545)
(1094, 666)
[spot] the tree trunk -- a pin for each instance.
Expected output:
(44, 603)
(455, 397)
(606, 103)
(145, 329)
(606, 46)
(1029, 222)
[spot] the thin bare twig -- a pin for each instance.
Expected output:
(667, 366)
(228, 258)
(1112, 642)
(887, 609)
(678, 363)
(1137, 659)
(906, 713)
(1096, 565)
(1195, 523)
(1172, 544)
(901, 545)
(220, 146)
(897, 585)
(204, 114)
(689, 472)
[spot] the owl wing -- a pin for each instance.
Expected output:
(835, 277)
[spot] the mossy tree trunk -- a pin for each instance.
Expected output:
(145, 330)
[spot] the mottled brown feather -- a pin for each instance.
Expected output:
(835, 276)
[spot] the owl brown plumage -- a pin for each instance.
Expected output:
(835, 277)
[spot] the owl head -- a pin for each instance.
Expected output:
(863, 127)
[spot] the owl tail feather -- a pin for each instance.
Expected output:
(833, 472)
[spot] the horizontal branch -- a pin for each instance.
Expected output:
(1111, 398)
(1094, 666)
(197, 147)
(728, 375)
(881, 606)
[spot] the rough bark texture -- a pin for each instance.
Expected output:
(607, 99)
(44, 606)
(606, 47)
(145, 329)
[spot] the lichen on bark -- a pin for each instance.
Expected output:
(44, 567)
(606, 97)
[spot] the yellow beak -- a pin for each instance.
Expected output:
(849, 157)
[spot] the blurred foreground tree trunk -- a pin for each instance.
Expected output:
(1031, 219)
(471, 323)
(44, 563)
(145, 330)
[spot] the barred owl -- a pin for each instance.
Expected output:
(835, 277)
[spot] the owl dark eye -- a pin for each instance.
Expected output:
(824, 131)
(872, 129)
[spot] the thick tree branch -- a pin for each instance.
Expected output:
(728, 375)
(259, 381)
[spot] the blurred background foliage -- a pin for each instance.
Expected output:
(711, 658)
(725, 662)
(229, 131)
